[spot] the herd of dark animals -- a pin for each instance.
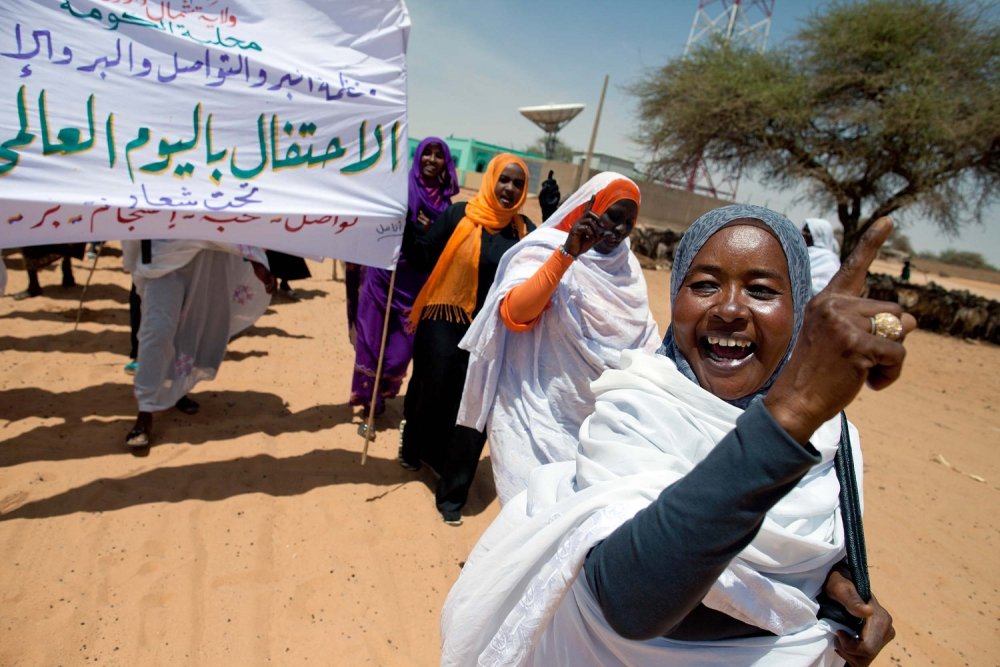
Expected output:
(957, 313)
(953, 312)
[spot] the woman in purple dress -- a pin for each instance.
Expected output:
(433, 182)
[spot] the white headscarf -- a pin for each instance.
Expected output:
(532, 388)
(824, 253)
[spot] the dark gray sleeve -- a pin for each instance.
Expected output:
(652, 571)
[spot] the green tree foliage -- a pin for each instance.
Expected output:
(563, 152)
(876, 107)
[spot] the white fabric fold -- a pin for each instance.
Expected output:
(513, 603)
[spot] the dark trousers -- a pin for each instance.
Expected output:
(134, 319)
(431, 408)
(461, 460)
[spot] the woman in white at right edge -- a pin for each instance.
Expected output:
(700, 520)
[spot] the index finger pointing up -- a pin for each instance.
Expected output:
(850, 279)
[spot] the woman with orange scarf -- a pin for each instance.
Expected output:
(464, 247)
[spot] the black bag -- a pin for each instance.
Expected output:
(854, 534)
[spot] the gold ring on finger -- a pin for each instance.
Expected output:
(886, 325)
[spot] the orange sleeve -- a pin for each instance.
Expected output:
(524, 304)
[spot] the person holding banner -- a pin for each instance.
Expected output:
(433, 181)
(195, 296)
(701, 518)
(464, 246)
(565, 302)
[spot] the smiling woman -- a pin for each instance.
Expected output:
(700, 520)
(732, 313)
(433, 181)
(463, 247)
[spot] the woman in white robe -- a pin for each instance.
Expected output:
(745, 355)
(195, 296)
(824, 252)
(529, 386)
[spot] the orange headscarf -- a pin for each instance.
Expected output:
(618, 189)
(451, 289)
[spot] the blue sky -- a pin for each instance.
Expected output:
(473, 63)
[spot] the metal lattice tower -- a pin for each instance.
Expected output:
(747, 22)
(743, 22)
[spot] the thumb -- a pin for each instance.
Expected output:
(850, 279)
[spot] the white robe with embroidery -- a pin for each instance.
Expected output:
(196, 295)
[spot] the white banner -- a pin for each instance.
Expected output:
(276, 123)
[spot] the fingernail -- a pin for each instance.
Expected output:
(884, 220)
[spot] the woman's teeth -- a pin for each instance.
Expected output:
(727, 342)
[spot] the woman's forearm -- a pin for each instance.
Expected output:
(524, 303)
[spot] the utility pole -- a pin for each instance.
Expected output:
(583, 173)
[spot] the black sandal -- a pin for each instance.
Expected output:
(27, 294)
(137, 437)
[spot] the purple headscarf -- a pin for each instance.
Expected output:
(431, 198)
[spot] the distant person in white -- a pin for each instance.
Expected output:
(824, 252)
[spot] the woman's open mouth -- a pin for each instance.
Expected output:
(726, 350)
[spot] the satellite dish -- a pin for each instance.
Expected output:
(551, 118)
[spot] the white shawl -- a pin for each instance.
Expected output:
(513, 603)
(531, 389)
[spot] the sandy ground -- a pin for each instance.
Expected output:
(251, 534)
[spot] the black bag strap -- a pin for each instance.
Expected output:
(850, 509)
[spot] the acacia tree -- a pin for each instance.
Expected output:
(876, 107)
